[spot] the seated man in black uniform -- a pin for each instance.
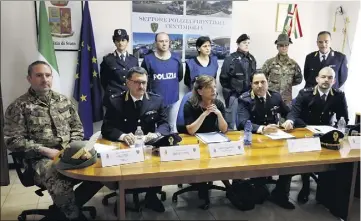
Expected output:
(203, 113)
(317, 106)
(135, 108)
(263, 107)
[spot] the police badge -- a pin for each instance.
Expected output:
(171, 140)
(154, 27)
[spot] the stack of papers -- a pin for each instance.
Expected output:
(280, 134)
(101, 148)
(212, 137)
(320, 129)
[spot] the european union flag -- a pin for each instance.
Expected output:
(87, 89)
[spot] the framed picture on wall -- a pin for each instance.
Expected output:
(64, 22)
(282, 10)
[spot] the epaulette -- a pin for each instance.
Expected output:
(116, 95)
(308, 89)
(245, 95)
(153, 94)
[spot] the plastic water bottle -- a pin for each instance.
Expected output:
(247, 140)
(139, 142)
(341, 125)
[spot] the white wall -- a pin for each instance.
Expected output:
(256, 18)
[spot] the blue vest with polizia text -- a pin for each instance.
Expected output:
(163, 77)
(196, 70)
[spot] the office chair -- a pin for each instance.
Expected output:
(135, 192)
(182, 129)
(27, 179)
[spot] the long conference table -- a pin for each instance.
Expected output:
(265, 157)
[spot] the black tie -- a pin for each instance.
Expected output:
(138, 104)
(323, 59)
(122, 57)
(262, 100)
(323, 98)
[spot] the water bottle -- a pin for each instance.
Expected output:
(139, 142)
(341, 125)
(247, 140)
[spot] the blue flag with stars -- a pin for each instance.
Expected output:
(87, 89)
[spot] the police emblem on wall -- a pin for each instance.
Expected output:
(64, 23)
(154, 27)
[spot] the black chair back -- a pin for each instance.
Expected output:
(25, 174)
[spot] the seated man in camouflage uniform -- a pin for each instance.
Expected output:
(40, 123)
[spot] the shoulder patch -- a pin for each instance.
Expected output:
(245, 95)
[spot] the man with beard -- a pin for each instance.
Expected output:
(234, 77)
(325, 57)
(40, 124)
(316, 106)
(262, 107)
(115, 66)
(165, 71)
(135, 108)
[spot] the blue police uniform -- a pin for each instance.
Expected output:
(336, 60)
(123, 117)
(310, 109)
(113, 72)
(250, 107)
(164, 76)
(194, 69)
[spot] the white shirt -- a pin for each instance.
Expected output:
(321, 93)
(326, 55)
(120, 55)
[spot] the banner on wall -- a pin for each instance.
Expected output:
(184, 21)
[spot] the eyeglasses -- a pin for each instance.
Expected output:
(139, 82)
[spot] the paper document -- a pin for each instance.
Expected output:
(212, 137)
(280, 134)
(101, 148)
(320, 129)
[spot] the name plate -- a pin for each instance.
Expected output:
(304, 145)
(183, 152)
(354, 142)
(226, 149)
(122, 156)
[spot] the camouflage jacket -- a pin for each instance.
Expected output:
(282, 75)
(32, 122)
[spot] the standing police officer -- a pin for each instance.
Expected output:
(263, 107)
(325, 57)
(135, 108)
(282, 72)
(316, 106)
(114, 68)
(234, 78)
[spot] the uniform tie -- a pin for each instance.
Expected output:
(122, 57)
(138, 104)
(323, 59)
(323, 98)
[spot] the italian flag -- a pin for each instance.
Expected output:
(46, 47)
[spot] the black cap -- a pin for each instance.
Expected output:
(120, 34)
(241, 38)
(331, 140)
(166, 140)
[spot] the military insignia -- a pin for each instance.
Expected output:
(335, 136)
(316, 54)
(171, 140)
(154, 26)
(332, 54)
(119, 32)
